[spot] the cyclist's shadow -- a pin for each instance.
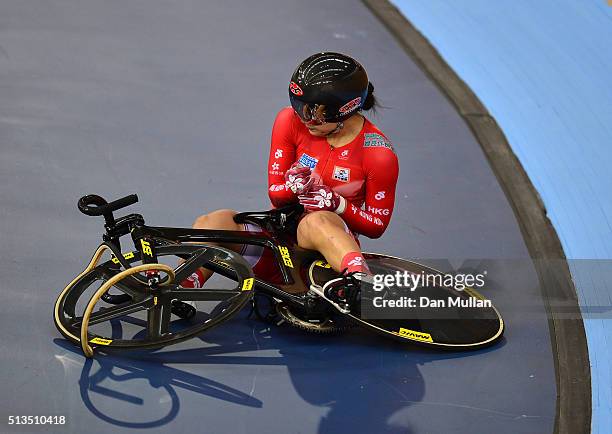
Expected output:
(361, 378)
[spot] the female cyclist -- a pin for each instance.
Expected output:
(326, 155)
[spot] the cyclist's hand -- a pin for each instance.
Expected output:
(298, 179)
(322, 198)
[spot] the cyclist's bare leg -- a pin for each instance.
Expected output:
(222, 219)
(325, 231)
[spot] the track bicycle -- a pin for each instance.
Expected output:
(134, 299)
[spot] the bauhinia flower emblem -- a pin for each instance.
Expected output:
(296, 183)
(297, 178)
(324, 198)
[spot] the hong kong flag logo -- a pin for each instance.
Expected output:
(295, 89)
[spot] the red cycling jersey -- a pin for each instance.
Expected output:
(364, 171)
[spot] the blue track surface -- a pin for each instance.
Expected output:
(543, 71)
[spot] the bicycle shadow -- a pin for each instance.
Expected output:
(98, 375)
(357, 374)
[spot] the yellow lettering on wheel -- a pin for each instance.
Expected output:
(101, 341)
(247, 285)
(417, 336)
(321, 263)
(284, 251)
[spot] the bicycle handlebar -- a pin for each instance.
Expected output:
(94, 205)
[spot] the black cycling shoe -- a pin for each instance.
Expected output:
(183, 310)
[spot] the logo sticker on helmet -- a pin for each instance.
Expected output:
(350, 106)
(295, 89)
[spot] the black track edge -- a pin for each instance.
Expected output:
(568, 339)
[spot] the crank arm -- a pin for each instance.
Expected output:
(319, 292)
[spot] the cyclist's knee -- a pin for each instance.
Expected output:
(319, 222)
(219, 219)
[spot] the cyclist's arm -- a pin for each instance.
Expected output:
(382, 170)
(282, 156)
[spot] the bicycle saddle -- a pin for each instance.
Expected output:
(275, 219)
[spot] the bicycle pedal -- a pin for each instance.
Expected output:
(319, 291)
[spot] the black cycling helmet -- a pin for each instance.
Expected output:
(328, 87)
